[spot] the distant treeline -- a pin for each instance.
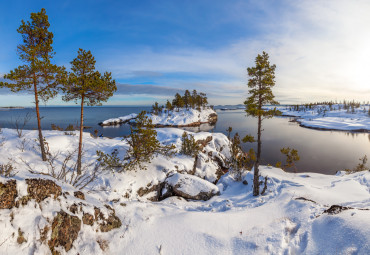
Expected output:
(188, 100)
(323, 107)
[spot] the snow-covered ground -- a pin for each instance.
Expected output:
(183, 117)
(334, 118)
(291, 217)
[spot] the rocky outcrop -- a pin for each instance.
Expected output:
(189, 187)
(40, 189)
(8, 194)
(65, 229)
(66, 225)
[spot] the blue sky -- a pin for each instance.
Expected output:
(157, 48)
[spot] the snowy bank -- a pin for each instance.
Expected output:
(327, 117)
(182, 118)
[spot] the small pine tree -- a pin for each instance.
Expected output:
(189, 146)
(144, 144)
(261, 80)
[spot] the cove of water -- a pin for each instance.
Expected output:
(320, 151)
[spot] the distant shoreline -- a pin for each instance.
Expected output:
(12, 107)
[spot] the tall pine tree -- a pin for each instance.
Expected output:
(38, 75)
(261, 80)
(89, 86)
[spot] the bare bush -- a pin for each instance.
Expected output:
(8, 170)
(63, 168)
(20, 123)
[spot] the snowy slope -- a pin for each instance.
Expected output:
(289, 219)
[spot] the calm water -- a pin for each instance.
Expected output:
(320, 151)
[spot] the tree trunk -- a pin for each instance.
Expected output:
(41, 138)
(256, 165)
(81, 132)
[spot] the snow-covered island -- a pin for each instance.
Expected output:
(171, 118)
(178, 205)
(329, 117)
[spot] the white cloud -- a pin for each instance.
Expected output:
(321, 50)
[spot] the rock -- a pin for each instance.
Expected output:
(151, 188)
(189, 187)
(79, 195)
(203, 142)
(335, 209)
(65, 229)
(107, 224)
(41, 189)
(212, 119)
(73, 208)
(112, 222)
(88, 219)
(8, 194)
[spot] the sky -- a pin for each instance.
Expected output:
(157, 48)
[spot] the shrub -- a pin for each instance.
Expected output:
(7, 170)
(143, 146)
(189, 146)
(291, 157)
(360, 167)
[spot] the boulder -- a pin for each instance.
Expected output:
(189, 187)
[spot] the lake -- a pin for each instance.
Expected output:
(320, 151)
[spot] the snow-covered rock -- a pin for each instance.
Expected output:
(181, 118)
(189, 187)
(119, 120)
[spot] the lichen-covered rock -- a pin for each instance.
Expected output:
(88, 219)
(8, 194)
(112, 222)
(41, 189)
(79, 194)
(189, 187)
(65, 229)
(107, 224)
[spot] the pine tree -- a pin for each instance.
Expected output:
(186, 99)
(38, 75)
(261, 80)
(89, 86)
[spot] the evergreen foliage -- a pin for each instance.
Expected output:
(240, 160)
(189, 146)
(360, 167)
(38, 75)
(88, 86)
(261, 80)
(190, 100)
(291, 157)
(144, 144)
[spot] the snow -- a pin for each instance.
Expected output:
(235, 222)
(190, 184)
(183, 117)
(334, 118)
(119, 119)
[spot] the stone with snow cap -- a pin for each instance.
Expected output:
(190, 187)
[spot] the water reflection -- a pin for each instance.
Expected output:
(320, 151)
